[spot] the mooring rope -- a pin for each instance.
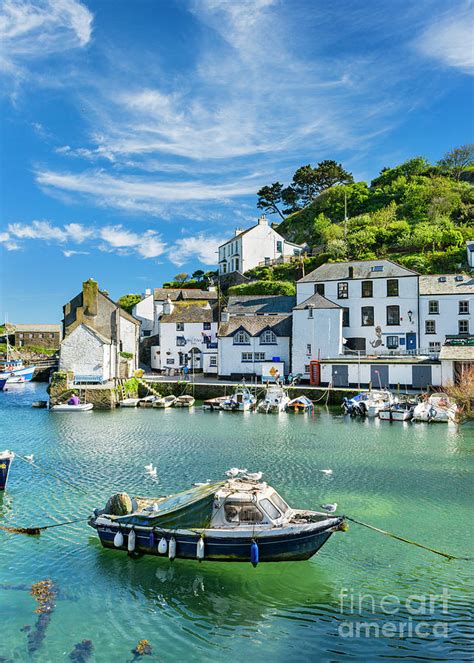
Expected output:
(56, 476)
(413, 543)
(36, 531)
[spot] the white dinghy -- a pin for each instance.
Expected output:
(65, 407)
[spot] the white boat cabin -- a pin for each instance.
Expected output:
(241, 503)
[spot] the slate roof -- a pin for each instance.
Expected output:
(339, 271)
(182, 293)
(254, 325)
(316, 301)
(38, 328)
(261, 304)
(431, 285)
(191, 312)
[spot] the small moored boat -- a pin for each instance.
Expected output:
(276, 400)
(184, 401)
(66, 407)
(368, 403)
(15, 371)
(6, 458)
(238, 520)
(165, 401)
(40, 404)
(3, 382)
(213, 403)
(129, 402)
(437, 408)
(300, 404)
(240, 401)
(147, 401)
(397, 412)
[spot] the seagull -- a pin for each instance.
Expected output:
(234, 471)
(327, 473)
(152, 473)
(254, 476)
(30, 458)
(149, 468)
(329, 507)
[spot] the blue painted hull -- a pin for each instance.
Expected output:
(272, 547)
(4, 469)
(3, 382)
(19, 374)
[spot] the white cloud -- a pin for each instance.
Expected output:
(200, 247)
(38, 230)
(147, 245)
(450, 40)
(9, 243)
(70, 252)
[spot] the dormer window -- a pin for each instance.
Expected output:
(241, 338)
(268, 338)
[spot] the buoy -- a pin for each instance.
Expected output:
(200, 548)
(254, 553)
(172, 548)
(131, 541)
(162, 546)
(151, 539)
(118, 540)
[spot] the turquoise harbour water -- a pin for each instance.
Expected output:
(413, 479)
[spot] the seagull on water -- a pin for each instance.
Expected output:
(30, 458)
(326, 473)
(149, 468)
(330, 508)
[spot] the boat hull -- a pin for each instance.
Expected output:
(3, 382)
(6, 459)
(83, 407)
(18, 375)
(283, 547)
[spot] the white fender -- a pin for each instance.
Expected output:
(118, 540)
(131, 541)
(162, 546)
(200, 548)
(172, 548)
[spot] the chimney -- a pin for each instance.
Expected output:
(238, 231)
(225, 316)
(147, 292)
(262, 221)
(167, 306)
(90, 292)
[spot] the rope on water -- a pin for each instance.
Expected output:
(56, 476)
(413, 543)
(36, 531)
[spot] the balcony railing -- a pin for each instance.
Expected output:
(398, 352)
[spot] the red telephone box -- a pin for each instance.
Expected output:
(315, 372)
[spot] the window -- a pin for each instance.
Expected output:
(180, 326)
(146, 332)
(241, 338)
(342, 290)
(51, 336)
(367, 289)
(367, 316)
(280, 503)
(170, 362)
(306, 368)
(246, 357)
(224, 268)
(308, 348)
(392, 342)
(268, 338)
(392, 288)
(180, 340)
(319, 289)
(464, 326)
(242, 512)
(259, 356)
(310, 312)
(279, 246)
(21, 335)
(206, 325)
(30, 335)
(393, 315)
(434, 346)
(40, 335)
(463, 308)
(270, 509)
(345, 317)
(237, 264)
(430, 326)
(212, 361)
(433, 307)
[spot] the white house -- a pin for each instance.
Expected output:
(317, 332)
(258, 244)
(144, 312)
(379, 300)
(446, 308)
(470, 254)
(187, 336)
(100, 339)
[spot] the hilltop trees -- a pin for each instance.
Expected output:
(457, 160)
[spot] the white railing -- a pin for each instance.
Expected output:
(399, 352)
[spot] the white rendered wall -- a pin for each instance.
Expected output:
(129, 337)
(144, 311)
(323, 332)
(194, 336)
(397, 373)
(447, 320)
(85, 354)
(230, 355)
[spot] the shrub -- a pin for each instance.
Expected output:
(264, 288)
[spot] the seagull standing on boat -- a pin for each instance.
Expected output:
(330, 508)
(234, 471)
(254, 476)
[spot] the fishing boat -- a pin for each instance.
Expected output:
(436, 408)
(6, 458)
(237, 520)
(129, 402)
(165, 401)
(300, 404)
(276, 399)
(368, 403)
(240, 401)
(3, 382)
(15, 371)
(397, 412)
(184, 401)
(66, 407)
(213, 403)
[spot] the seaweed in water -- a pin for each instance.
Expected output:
(44, 593)
(143, 648)
(82, 651)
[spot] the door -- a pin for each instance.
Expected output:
(340, 375)
(421, 376)
(411, 342)
(379, 376)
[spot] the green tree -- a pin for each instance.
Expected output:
(337, 249)
(198, 275)
(264, 288)
(127, 302)
(270, 198)
(328, 173)
(457, 160)
(181, 277)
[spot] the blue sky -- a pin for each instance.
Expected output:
(135, 133)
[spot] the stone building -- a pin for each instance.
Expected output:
(100, 339)
(45, 336)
